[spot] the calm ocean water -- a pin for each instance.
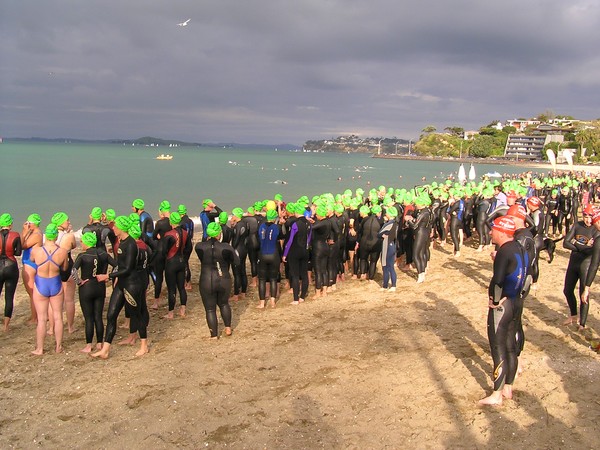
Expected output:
(46, 178)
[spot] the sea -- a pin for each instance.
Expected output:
(74, 177)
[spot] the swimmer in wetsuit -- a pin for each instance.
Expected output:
(172, 249)
(31, 237)
(296, 254)
(163, 225)
(10, 247)
(51, 260)
(216, 258)
(269, 259)
(388, 233)
(96, 226)
(504, 296)
(188, 225)
(240, 235)
(581, 240)
(93, 261)
(127, 292)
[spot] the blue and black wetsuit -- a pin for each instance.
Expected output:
(507, 281)
(296, 253)
(269, 259)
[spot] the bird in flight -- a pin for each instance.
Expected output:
(184, 24)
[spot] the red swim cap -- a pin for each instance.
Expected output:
(589, 210)
(517, 211)
(505, 224)
(596, 217)
(534, 202)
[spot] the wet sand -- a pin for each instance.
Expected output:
(357, 369)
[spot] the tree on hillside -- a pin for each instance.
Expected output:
(429, 129)
(589, 138)
(482, 146)
(455, 131)
(546, 116)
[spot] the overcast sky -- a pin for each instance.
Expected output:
(275, 71)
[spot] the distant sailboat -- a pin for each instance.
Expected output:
(462, 175)
(472, 175)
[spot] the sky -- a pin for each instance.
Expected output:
(284, 72)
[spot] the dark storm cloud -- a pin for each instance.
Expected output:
(275, 72)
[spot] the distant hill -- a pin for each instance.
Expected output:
(153, 141)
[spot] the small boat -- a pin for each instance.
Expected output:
(162, 156)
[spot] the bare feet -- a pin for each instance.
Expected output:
(507, 391)
(58, 349)
(495, 399)
(182, 311)
(234, 298)
(295, 302)
(128, 341)
(103, 352)
(188, 286)
(86, 349)
(168, 316)
(155, 304)
(6, 322)
(261, 304)
(228, 331)
(272, 303)
(143, 347)
(570, 321)
(38, 352)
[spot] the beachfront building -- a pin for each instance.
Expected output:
(520, 146)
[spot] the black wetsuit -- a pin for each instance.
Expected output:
(296, 253)
(173, 248)
(507, 281)
(215, 281)
(92, 293)
(158, 265)
(10, 246)
(320, 252)
(128, 292)
(580, 267)
(551, 215)
(422, 230)
(188, 225)
(482, 208)
(565, 206)
(456, 213)
(240, 277)
(369, 246)
(101, 231)
(252, 244)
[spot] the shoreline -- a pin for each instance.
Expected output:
(595, 168)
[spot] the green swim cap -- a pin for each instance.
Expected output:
(339, 209)
(175, 218)
(213, 229)
(278, 197)
(59, 218)
(110, 215)
(35, 219)
(206, 202)
(123, 223)
(223, 217)
(250, 210)
(6, 220)
(135, 231)
(134, 218)
(96, 213)
(182, 209)
(376, 209)
(321, 211)
(51, 231)
(164, 206)
(290, 208)
(364, 209)
(271, 215)
(138, 203)
(90, 239)
(392, 212)
(238, 212)
(299, 209)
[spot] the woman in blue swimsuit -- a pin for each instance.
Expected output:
(48, 289)
(31, 237)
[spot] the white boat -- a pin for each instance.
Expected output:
(162, 156)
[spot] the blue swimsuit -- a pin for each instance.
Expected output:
(48, 287)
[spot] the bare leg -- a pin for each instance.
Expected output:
(182, 311)
(143, 347)
(261, 304)
(57, 302)
(272, 303)
(571, 320)
(69, 295)
(6, 322)
(27, 274)
(41, 308)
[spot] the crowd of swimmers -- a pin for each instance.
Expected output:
(315, 242)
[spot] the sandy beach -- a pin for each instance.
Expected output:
(358, 369)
